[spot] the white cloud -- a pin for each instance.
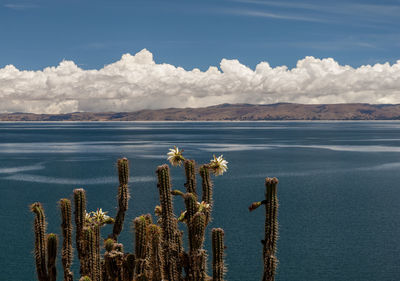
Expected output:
(137, 82)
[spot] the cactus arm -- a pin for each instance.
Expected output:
(40, 243)
(52, 244)
(123, 196)
(80, 217)
(218, 254)
(168, 225)
(190, 173)
(207, 188)
(66, 229)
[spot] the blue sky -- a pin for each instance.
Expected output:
(36, 34)
(85, 55)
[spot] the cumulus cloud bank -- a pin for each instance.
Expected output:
(137, 82)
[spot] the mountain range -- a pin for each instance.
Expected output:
(230, 112)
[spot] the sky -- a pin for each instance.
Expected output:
(66, 56)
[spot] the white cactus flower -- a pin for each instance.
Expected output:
(218, 165)
(175, 156)
(99, 216)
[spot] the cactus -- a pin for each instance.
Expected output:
(40, 243)
(207, 188)
(123, 171)
(114, 262)
(271, 228)
(80, 218)
(52, 244)
(218, 254)
(129, 267)
(141, 247)
(89, 262)
(159, 253)
(168, 225)
(66, 228)
(190, 173)
(123, 196)
(155, 255)
(96, 232)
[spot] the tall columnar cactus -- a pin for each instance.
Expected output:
(66, 228)
(128, 267)
(52, 244)
(155, 255)
(89, 247)
(80, 219)
(271, 228)
(168, 225)
(207, 188)
(123, 196)
(141, 248)
(218, 254)
(97, 237)
(40, 242)
(190, 173)
(118, 267)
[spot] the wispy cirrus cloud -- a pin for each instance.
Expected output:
(367, 12)
(281, 16)
(20, 6)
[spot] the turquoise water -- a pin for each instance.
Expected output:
(339, 189)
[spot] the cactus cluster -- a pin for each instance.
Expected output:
(159, 253)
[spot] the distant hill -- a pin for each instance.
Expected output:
(227, 112)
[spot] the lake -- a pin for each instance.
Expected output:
(338, 190)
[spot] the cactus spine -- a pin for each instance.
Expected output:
(66, 228)
(40, 243)
(218, 254)
(123, 196)
(168, 225)
(52, 244)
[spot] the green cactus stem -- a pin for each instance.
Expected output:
(40, 242)
(168, 225)
(52, 244)
(191, 206)
(114, 262)
(155, 235)
(197, 231)
(207, 188)
(66, 229)
(141, 247)
(89, 262)
(218, 247)
(129, 267)
(123, 196)
(97, 237)
(271, 228)
(85, 278)
(80, 219)
(190, 173)
(123, 171)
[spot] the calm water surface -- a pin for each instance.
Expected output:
(339, 189)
